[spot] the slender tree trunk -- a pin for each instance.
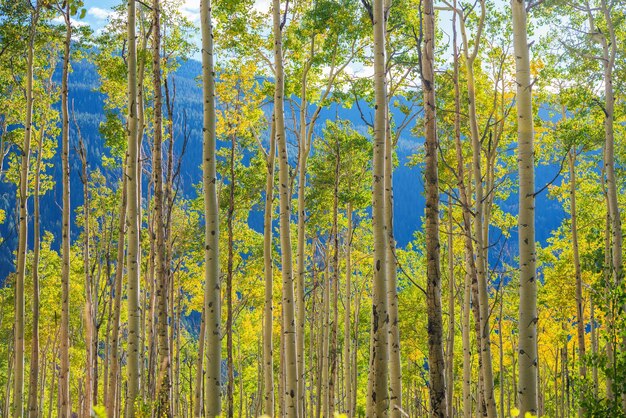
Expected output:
(468, 247)
(451, 323)
(378, 392)
(268, 347)
(437, 384)
(609, 45)
(292, 398)
(395, 365)
(133, 367)
(594, 346)
(88, 310)
(164, 380)
(65, 406)
(579, 285)
(480, 223)
(301, 241)
(210, 329)
(325, 340)
(347, 369)
(334, 351)
(33, 407)
(111, 405)
(229, 283)
(501, 348)
(526, 226)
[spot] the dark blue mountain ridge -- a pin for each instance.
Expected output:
(88, 104)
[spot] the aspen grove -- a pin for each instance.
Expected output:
(312, 208)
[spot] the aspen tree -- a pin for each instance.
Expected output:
(480, 219)
(292, 398)
(527, 350)
(210, 329)
(133, 367)
(164, 386)
(437, 384)
(112, 401)
(65, 406)
(451, 316)
(378, 392)
(268, 348)
(88, 308)
(347, 363)
(395, 365)
(18, 380)
(33, 406)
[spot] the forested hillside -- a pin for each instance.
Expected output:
(312, 208)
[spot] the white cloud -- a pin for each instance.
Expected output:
(99, 13)
(262, 6)
(191, 10)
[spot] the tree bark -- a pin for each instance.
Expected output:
(292, 398)
(580, 318)
(334, 351)
(347, 369)
(88, 309)
(133, 368)
(527, 351)
(378, 392)
(451, 323)
(230, 388)
(164, 381)
(268, 347)
(111, 405)
(395, 364)
(437, 384)
(480, 223)
(33, 406)
(65, 406)
(210, 328)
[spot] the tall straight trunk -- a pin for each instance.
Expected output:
(451, 323)
(526, 224)
(65, 406)
(312, 340)
(395, 365)
(88, 309)
(149, 319)
(230, 388)
(325, 340)
(609, 51)
(18, 380)
(210, 328)
(164, 380)
(501, 348)
(594, 346)
(111, 405)
(580, 318)
(378, 392)
(480, 223)
(609, 45)
(133, 367)
(437, 384)
(347, 368)
(292, 398)
(470, 267)
(268, 347)
(304, 148)
(334, 350)
(33, 407)
(467, 351)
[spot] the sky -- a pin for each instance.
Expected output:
(98, 11)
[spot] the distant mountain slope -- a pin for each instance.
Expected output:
(88, 105)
